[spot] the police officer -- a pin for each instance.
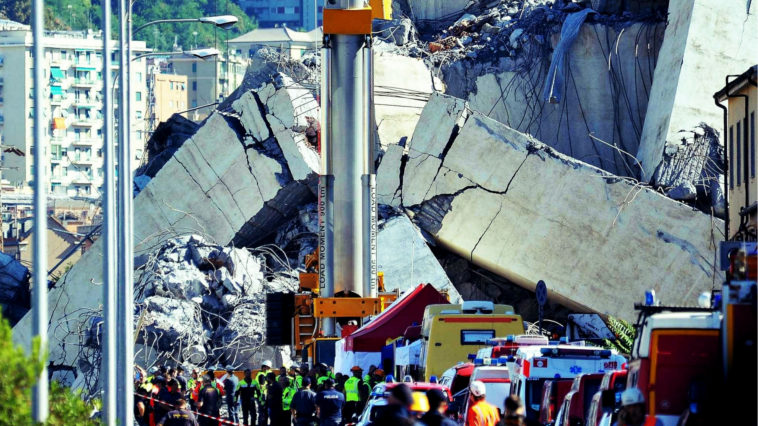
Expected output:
(179, 417)
(353, 399)
(248, 391)
(329, 405)
(304, 405)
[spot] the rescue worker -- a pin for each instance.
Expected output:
(480, 412)
(159, 390)
(397, 411)
(323, 374)
(274, 395)
(369, 376)
(180, 416)
(633, 409)
(208, 402)
(287, 394)
(265, 367)
(304, 405)
(437, 409)
(230, 387)
(248, 391)
(182, 379)
(262, 408)
(296, 378)
(514, 412)
(195, 391)
(353, 400)
(329, 405)
(377, 378)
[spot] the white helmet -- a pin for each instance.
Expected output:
(477, 388)
(267, 363)
(632, 396)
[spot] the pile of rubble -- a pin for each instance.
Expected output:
(204, 304)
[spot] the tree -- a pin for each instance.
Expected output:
(20, 372)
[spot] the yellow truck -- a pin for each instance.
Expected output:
(452, 332)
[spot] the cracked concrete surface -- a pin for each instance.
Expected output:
(244, 172)
(515, 206)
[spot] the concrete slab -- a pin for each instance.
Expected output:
(231, 182)
(705, 41)
(518, 208)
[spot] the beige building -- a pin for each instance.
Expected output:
(284, 40)
(170, 94)
(741, 152)
(208, 81)
(73, 107)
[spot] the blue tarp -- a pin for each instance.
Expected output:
(553, 90)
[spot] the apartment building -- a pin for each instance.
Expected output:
(741, 152)
(73, 110)
(296, 14)
(284, 40)
(170, 95)
(208, 80)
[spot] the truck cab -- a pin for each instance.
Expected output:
(534, 365)
(451, 332)
(675, 351)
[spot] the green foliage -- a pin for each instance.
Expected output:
(625, 334)
(86, 14)
(20, 373)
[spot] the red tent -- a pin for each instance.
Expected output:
(392, 322)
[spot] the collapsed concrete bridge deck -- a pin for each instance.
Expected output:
(515, 206)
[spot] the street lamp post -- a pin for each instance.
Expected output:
(124, 383)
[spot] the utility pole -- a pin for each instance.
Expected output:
(108, 367)
(39, 286)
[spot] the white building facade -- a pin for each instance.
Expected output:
(73, 107)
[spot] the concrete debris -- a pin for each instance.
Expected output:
(406, 260)
(204, 304)
(243, 173)
(398, 31)
(692, 166)
(515, 206)
(15, 290)
(694, 38)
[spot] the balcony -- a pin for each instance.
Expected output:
(83, 142)
(82, 179)
(88, 102)
(61, 63)
(84, 82)
(84, 160)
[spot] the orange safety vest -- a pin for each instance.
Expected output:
(482, 413)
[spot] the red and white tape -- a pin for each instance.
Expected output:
(221, 420)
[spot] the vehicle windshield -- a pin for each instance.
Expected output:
(496, 394)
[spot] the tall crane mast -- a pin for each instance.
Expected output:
(347, 190)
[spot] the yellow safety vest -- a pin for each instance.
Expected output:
(287, 395)
(351, 390)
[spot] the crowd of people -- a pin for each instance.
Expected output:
(307, 397)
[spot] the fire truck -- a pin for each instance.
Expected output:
(534, 365)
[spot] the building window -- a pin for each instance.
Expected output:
(752, 144)
(171, 85)
(194, 85)
(170, 104)
(139, 77)
(138, 96)
(279, 10)
(731, 157)
(138, 113)
(194, 67)
(194, 103)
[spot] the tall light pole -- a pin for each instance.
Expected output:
(124, 382)
(39, 287)
(108, 370)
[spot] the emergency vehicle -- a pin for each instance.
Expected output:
(507, 346)
(576, 403)
(607, 401)
(534, 365)
(496, 381)
(553, 392)
(451, 332)
(676, 349)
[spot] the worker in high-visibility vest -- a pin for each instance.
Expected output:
(287, 394)
(323, 374)
(353, 399)
(296, 378)
(262, 407)
(265, 367)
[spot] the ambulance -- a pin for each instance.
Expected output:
(534, 365)
(507, 346)
(451, 332)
